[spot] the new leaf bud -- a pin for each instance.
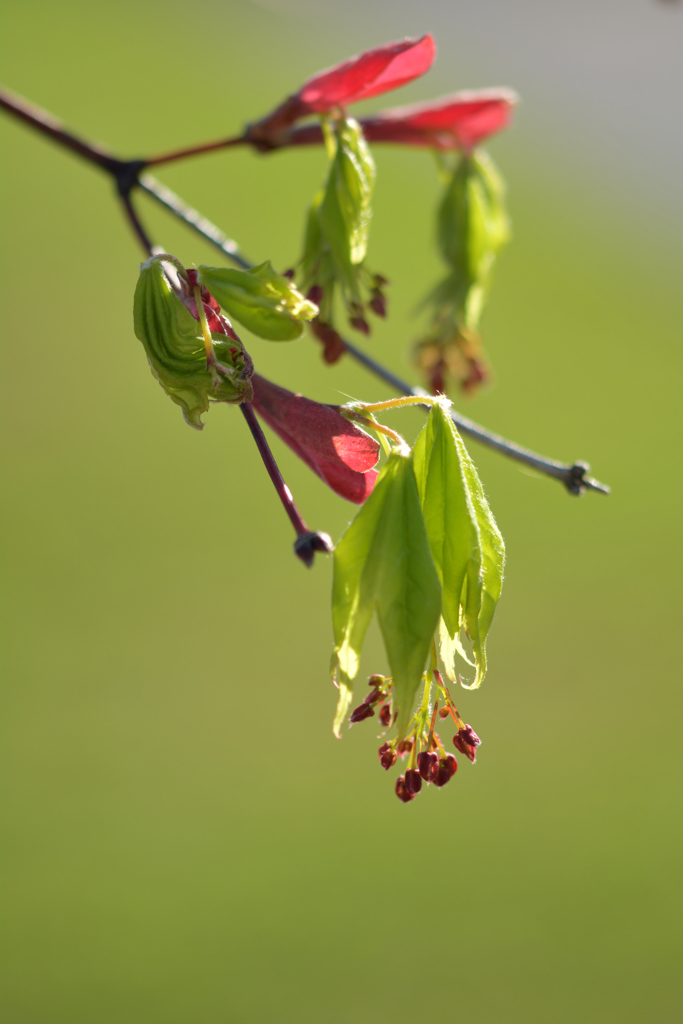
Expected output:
(266, 303)
(175, 346)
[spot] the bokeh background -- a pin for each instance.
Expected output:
(183, 838)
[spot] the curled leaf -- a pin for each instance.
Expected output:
(175, 348)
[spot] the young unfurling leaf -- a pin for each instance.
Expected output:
(337, 230)
(267, 304)
(465, 542)
(383, 563)
(473, 226)
(176, 347)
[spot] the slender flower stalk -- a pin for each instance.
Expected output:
(307, 541)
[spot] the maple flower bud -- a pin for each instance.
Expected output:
(402, 791)
(413, 781)
(444, 712)
(387, 756)
(370, 74)
(266, 303)
(461, 743)
(405, 746)
(378, 304)
(428, 765)
(167, 323)
(333, 344)
(373, 696)
(385, 716)
(470, 736)
(360, 713)
(340, 453)
(447, 769)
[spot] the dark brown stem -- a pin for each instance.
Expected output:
(206, 147)
(43, 122)
(307, 542)
(136, 224)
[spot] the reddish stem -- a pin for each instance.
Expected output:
(206, 147)
(307, 541)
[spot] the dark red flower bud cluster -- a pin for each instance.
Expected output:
(332, 341)
(379, 693)
(428, 761)
(430, 768)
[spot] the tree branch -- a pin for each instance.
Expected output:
(202, 225)
(126, 174)
(206, 147)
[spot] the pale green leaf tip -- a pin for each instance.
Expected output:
(343, 705)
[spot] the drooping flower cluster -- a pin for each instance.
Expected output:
(428, 761)
(472, 220)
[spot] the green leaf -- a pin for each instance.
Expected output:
(174, 346)
(473, 225)
(345, 209)
(383, 564)
(465, 542)
(267, 304)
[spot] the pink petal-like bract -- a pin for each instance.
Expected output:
(370, 74)
(460, 121)
(340, 453)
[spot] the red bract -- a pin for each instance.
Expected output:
(460, 121)
(340, 453)
(215, 319)
(370, 74)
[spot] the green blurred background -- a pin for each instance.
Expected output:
(184, 839)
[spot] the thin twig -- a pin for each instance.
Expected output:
(206, 147)
(42, 121)
(573, 475)
(307, 542)
(136, 224)
(202, 225)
